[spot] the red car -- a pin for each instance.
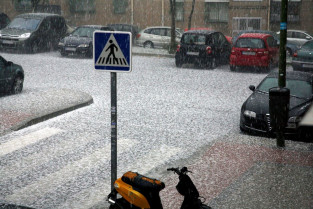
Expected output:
(255, 50)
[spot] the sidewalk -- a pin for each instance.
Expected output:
(237, 172)
(22, 110)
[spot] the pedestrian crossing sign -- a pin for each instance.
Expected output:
(112, 51)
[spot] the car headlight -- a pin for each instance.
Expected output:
(249, 114)
(25, 35)
(293, 121)
(60, 44)
(84, 45)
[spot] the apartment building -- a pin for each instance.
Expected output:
(227, 16)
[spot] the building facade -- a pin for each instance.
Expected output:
(227, 16)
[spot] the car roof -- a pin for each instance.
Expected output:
(254, 35)
(37, 15)
(200, 31)
(297, 75)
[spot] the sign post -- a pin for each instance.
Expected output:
(112, 53)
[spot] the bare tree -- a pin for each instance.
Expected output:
(173, 46)
(191, 13)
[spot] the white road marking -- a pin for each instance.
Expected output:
(28, 163)
(26, 140)
(50, 182)
(92, 196)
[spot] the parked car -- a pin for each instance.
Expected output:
(4, 20)
(290, 47)
(80, 41)
(204, 48)
(229, 38)
(254, 50)
(126, 27)
(255, 118)
(159, 36)
(303, 58)
(298, 37)
(11, 77)
(33, 32)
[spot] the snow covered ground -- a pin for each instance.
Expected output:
(165, 114)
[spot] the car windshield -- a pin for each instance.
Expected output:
(84, 32)
(298, 88)
(250, 43)
(24, 23)
(308, 45)
(196, 39)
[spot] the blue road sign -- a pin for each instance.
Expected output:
(112, 51)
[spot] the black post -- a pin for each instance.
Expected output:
(279, 109)
(283, 41)
(113, 130)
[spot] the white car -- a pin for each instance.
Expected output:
(298, 37)
(159, 37)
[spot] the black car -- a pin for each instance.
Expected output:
(4, 20)
(33, 32)
(204, 48)
(11, 77)
(303, 58)
(126, 27)
(79, 42)
(255, 115)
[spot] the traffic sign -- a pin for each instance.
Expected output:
(112, 51)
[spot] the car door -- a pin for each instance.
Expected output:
(225, 48)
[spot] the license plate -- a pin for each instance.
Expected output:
(7, 42)
(248, 53)
(193, 53)
(308, 65)
(70, 49)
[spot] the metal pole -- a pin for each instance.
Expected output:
(113, 130)
(282, 61)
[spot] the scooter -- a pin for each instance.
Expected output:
(138, 191)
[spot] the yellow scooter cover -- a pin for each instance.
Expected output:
(131, 195)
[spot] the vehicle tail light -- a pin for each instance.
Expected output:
(233, 51)
(178, 47)
(138, 35)
(265, 52)
(295, 54)
(208, 50)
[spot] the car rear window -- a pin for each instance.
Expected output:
(196, 39)
(250, 43)
(298, 88)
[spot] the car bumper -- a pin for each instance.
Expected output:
(66, 50)
(302, 65)
(262, 61)
(14, 44)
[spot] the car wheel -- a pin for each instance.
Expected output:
(17, 86)
(232, 67)
(213, 63)
(178, 62)
(148, 44)
(34, 48)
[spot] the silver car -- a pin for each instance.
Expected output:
(298, 37)
(159, 37)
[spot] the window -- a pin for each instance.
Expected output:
(23, 5)
(246, 23)
(84, 6)
(216, 11)
(250, 43)
(179, 11)
(120, 6)
(271, 42)
(293, 11)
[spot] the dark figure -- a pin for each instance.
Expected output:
(111, 47)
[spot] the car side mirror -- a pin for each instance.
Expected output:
(308, 38)
(252, 87)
